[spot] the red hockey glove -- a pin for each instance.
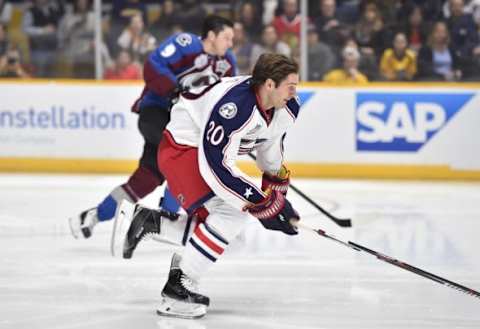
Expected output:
(277, 182)
(275, 213)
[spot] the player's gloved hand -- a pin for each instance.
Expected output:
(275, 213)
(278, 182)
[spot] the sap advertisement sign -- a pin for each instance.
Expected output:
(403, 122)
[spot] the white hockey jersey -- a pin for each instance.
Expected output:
(225, 122)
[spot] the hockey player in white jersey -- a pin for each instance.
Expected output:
(198, 156)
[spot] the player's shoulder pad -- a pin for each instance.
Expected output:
(230, 56)
(293, 106)
(235, 108)
(232, 59)
(180, 43)
(189, 43)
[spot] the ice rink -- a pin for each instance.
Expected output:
(265, 280)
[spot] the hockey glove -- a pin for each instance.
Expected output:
(278, 182)
(275, 213)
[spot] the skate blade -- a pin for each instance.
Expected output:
(121, 223)
(178, 309)
(74, 229)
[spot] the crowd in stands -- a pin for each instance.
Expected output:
(353, 41)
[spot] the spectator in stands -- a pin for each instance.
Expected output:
(11, 65)
(136, 39)
(369, 31)
(5, 12)
(473, 7)
(246, 51)
(387, 10)
(437, 60)
(431, 9)
(287, 25)
(167, 23)
(349, 73)
(122, 12)
(463, 33)
(348, 11)
(416, 29)
(271, 44)
(124, 68)
(4, 42)
(76, 35)
(251, 21)
(328, 23)
(267, 10)
(469, 7)
(321, 58)
(191, 16)
(367, 64)
(398, 63)
(476, 63)
(40, 24)
(119, 17)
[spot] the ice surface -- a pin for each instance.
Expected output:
(265, 280)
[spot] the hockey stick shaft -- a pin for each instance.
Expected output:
(393, 261)
(342, 222)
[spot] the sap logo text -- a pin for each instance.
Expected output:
(403, 122)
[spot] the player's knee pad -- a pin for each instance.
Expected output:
(225, 219)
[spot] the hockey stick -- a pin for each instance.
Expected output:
(393, 261)
(343, 222)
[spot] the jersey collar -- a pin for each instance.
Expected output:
(267, 114)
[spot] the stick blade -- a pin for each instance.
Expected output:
(343, 222)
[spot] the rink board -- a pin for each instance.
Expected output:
(379, 131)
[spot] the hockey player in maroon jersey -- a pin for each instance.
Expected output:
(182, 62)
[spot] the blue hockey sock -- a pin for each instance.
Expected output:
(106, 209)
(168, 202)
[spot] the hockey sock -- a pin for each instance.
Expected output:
(107, 208)
(202, 251)
(141, 183)
(168, 202)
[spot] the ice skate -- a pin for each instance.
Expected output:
(180, 297)
(145, 223)
(83, 224)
